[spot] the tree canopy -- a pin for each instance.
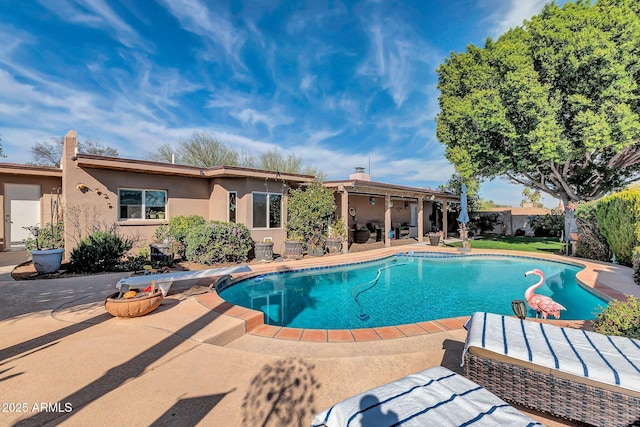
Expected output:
(49, 153)
(552, 105)
(201, 149)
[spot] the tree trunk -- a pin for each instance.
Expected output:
(568, 220)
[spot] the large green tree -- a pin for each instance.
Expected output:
(202, 149)
(49, 153)
(552, 105)
(532, 197)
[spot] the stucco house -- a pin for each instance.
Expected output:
(137, 196)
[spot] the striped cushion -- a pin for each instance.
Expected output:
(436, 396)
(602, 358)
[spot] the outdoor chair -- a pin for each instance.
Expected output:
(433, 397)
(571, 373)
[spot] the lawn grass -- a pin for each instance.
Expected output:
(515, 243)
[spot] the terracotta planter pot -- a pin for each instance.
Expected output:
(133, 307)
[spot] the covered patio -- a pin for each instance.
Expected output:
(389, 212)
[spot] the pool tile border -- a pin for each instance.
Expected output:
(254, 320)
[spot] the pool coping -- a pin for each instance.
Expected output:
(254, 319)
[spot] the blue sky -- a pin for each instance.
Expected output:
(341, 84)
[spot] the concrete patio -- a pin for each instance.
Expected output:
(64, 360)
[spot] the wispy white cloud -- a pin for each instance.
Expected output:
(214, 27)
(96, 14)
(396, 59)
(271, 120)
(318, 136)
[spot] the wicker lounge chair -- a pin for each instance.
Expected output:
(571, 373)
(434, 397)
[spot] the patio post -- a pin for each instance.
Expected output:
(420, 218)
(344, 214)
(444, 219)
(387, 219)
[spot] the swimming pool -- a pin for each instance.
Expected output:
(407, 288)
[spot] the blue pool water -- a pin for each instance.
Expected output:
(409, 289)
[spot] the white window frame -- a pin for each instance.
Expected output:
(143, 207)
(268, 194)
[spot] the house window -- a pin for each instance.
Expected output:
(267, 210)
(142, 204)
(233, 204)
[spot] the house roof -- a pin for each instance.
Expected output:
(23, 169)
(372, 188)
(150, 167)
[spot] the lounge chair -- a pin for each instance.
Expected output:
(571, 373)
(434, 397)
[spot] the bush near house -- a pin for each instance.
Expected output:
(591, 243)
(621, 318)
(179, 228)
(101, 251)
(308, 210)
(618, 218)
(217, 242)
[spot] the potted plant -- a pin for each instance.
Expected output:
(46, 247)
(293, 246)
(264, 250)
(434, 238)
(308, 209)
(337, 235)
(361, 235)
(315, 244)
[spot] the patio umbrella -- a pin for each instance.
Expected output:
(464, 215)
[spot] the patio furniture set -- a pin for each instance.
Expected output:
(570, 373)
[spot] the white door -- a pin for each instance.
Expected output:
(21, 209)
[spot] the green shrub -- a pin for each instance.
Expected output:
(216, 242)
(485, 222)
(591, 243)
(636, 265)
(619, 219)
(101, 251)
(308, 210)
(620, 318)
(549, 225)
(179, 228)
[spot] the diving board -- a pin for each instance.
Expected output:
(165, 280)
